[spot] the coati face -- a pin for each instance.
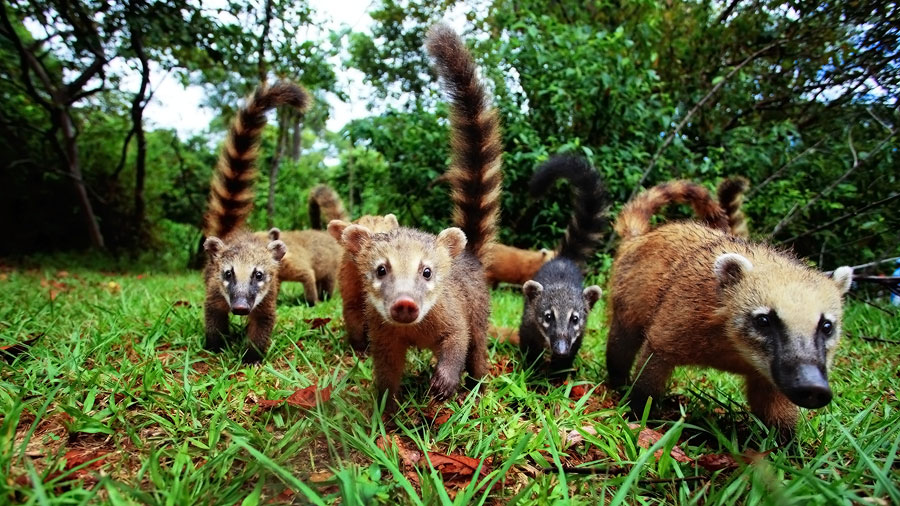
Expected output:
(403, 270)
(560, 314)
(785, 320)
(243, 272)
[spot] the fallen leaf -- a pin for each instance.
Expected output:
(716, 462)
(578, 392)
(80, 456)
(574, 437)
(321, 477)
(751, 457)
(316, 323)
(62, 274)
(455, 466)
(11, 351)
(181, 303)
(648, 437)
(306, 397)
(408, 457)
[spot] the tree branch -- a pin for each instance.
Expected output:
(784, 167)
(855, 212)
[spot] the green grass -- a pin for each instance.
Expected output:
(120, 368)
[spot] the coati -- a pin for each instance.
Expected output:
(730, 194)
(692, 294)
(313, 258)
(351, 280)
(324, 200)
(513, 265)
(429, 291)
(556, 304)
(241, 272)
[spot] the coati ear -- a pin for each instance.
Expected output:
(545, 253)
(274, 234)
(213, 246)
(843, 276)
(391, 220)
(730, 268)
(592, 295)
(278, 249)
(532, 289)
(336, 229)
(355, 237)
(453, 239)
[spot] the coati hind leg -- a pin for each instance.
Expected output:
(622, 345)
(653, 373)
(259, 329)
(216, 317)
(773, 407)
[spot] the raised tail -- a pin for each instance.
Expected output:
(325, 201)
(474, 174)
(731, 196)
(589, 199)
(634, 220)
(231, 189)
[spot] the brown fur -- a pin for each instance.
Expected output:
(325, 201)
(730, 193)
(429, 291)
(513, 265)
(634, 220)
(350, 280)
(313, 258)
(241, 273)
(686, 294)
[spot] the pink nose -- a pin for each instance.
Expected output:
(404, 310)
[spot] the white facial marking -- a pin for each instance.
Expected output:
(761, 310)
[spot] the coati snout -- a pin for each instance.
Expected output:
(244, 275)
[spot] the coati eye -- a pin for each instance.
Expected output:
(426, 273)
(575, 318)
(548, 317)
(381, 271)
(762, 321)
(258, 275)
(227, 275)
(827, 327)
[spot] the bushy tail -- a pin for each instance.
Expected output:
(589, 199)
(231, 189)
(324, 200)
(731, 196)
(634, 220)
(475, 174)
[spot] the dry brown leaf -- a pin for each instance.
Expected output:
(648, 437)
(574, 437)
(321, 477)
(181, 303)
(11, 351)
(455, 466)
(302, 398)
(716, 462)
(316, 323)
(751, 457)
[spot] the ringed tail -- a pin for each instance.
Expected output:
(634, 220)
(589, 199)
(231, 189)
(324, 201)
(475, 172)
(730, 193)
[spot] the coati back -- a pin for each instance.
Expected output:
(429, 291)
(351, 280)
(689, 294)
(508, 264)
(325, 201)
(241, 272)
(556, 305)
(313, 259)
(730, 193)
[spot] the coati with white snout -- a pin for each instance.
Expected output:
(556, 303)
(429, 291)
(241, 273)
(312, 259)
(692, 294)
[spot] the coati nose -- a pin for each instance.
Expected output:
(240, 307)
(807, 387)
(561, 347)
(404, 310)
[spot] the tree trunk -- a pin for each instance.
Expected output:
(283, 124)
(74, 169)
(137, 119)
(296, 141)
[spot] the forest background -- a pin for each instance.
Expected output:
(799, 97)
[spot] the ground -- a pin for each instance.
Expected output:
(107, 396)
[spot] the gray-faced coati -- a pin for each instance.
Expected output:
(351, 281)
(241, 272)
(325, 203)
(690, 294)
(429, 291)
(313, 258)
(730, 193)
(514, 265)
(556, 303)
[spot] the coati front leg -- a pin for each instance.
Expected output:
(532, 345)
(259, 329)
(653, 372)
(451, 360)
(216, 317)
(622, 345)
(772, 407)
(389, 357)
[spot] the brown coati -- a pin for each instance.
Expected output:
(350, 280)
(429, 291)
(688, 294)
(241, 272)
(513, 265)
(556, 303)
(325, 201)
(313, 258)
(730, 193)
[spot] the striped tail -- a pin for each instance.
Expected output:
(475, 172)
(634, 220)
(589, 199)
(325, 201)
(231, 189)
(731, 196)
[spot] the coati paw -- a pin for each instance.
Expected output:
(443, 387)
(214, 344)
(251, 357)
